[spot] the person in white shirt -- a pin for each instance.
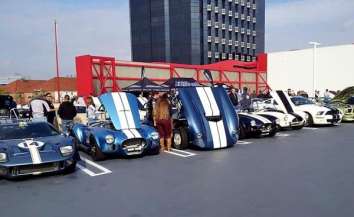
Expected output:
(39, 107)
(91, 110)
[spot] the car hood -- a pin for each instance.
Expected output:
(255, 117)
(313, 107)
(344, 95)
(122, 108)
(44, 144)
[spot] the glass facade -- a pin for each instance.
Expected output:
(197, 31)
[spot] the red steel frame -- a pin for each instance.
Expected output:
(87, 73)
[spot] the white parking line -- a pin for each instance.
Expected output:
(310, 128)
(282, 135)
(181, 153)
(93, 164)
(240, 142)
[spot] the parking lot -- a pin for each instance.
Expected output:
(297, 173)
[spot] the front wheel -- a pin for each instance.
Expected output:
(70, 169)
(180, 138)
(309, 120)
(96, 153)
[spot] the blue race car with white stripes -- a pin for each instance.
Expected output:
(122, 134)
(205, 119)
(34, 148)
(254, 125)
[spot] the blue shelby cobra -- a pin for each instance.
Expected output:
(206, 119)
(122, 134)
(34, 148)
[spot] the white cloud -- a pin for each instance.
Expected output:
(27, 37)
(291, 24)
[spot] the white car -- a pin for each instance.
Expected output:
(317, 114)
(263, 109)
(280, 107)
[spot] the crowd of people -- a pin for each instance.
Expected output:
(158, 108)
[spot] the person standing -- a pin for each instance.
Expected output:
(233, 97)
(91, 110)
(163, 121)
(245, 101)
(326, 96)
(67, 113)
(39, 108)
(51, 113)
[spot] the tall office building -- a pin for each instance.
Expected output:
(196, 31)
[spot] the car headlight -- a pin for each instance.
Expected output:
(199, 135)
(3, 157)
(155, 135)
(320, 113)
(66, 150)
(253, 123)
(286, 118)
(109, 139)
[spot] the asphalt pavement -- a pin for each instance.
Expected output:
(297, 173)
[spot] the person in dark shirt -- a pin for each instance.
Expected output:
(245, 101)
(67, 113)
(233, 97)
(51, 113)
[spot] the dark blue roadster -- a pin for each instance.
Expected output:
(122, 134)
(34, 148)
(205, 119)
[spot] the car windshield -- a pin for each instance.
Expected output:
(26, 130)
(351, 100)
(301, 101)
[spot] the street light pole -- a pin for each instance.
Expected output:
(314, 65)
(57, 58)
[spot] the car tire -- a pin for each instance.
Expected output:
(70, 169)
(180, 138)
(242, 134)
(272, 134)
(309, 122)
(96, 153)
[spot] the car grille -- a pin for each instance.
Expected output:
(35, 169)
(332, 112)
(134, 146)
(266, 128)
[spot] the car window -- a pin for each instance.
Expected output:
(351, 100)
(26, 130)
(301, 101)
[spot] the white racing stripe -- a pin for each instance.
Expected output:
(258, 117)
(33, 148)
(128, 134)
(211, 108)
(127, 110)
(222, 134)
(214, 105)
(136, 133)
(125, 115)
(205, 102)
(120, 110)
(36, 157)
(215, 134)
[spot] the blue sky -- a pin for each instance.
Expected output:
(102, 28)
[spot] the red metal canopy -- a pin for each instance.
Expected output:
(97, 74)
